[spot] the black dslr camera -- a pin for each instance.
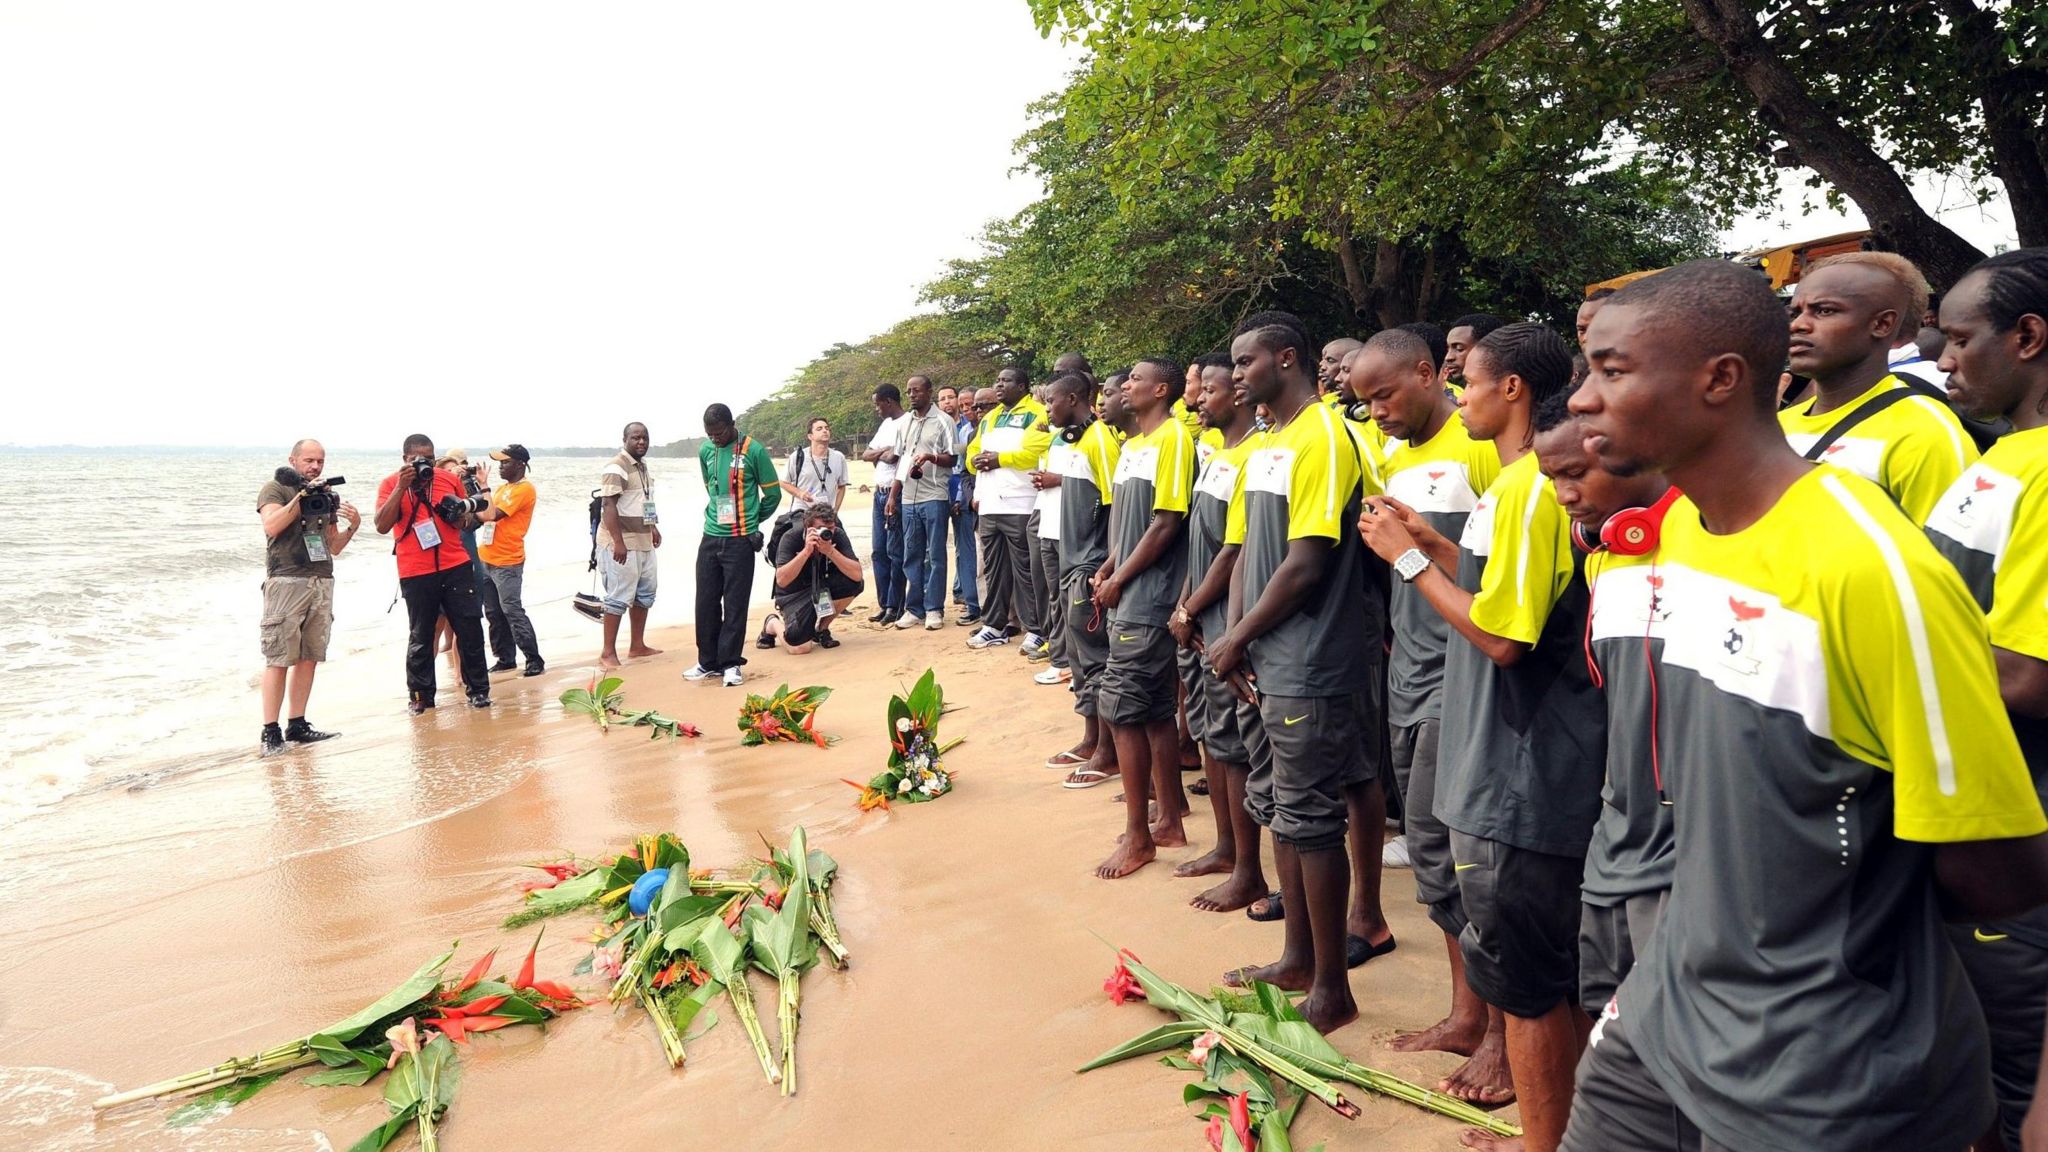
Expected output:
(422, 472)
(315, 496)
(455, 509)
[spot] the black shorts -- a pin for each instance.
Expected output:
(1612, 936)
(1414, 750)
(1087, 640)
(800, 613)
(1521, 941)
(2010, 977)
(1619, 1107)
(1139, 684)
(1315, 748)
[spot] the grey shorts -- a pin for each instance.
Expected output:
(1611, 936)
(1315, 748)
(1413, 755)
(1221, 733)
(1087, 640)
(1193, 708)
(1619, 1106)
(298, 618)
(1139, 685)
(2010, 977)
(1521, 941)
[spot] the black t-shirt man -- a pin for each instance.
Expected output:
(819, 580)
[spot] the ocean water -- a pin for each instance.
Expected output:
(131, 592)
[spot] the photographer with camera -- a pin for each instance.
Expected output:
(305, 526)
(425, 509)
(817, 575)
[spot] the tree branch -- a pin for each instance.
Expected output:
(1433, 82)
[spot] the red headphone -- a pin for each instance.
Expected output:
(1629, 532)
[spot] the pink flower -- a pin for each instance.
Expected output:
(1199, 1054)
(1121, 985)
(405, 1041)
(610, 963)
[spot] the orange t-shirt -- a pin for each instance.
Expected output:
(507, 545)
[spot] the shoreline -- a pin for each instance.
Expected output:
(153, 930)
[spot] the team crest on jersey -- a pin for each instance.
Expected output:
(1740, 642)
(1978, 486)
(1654, 610)
(1977, 510)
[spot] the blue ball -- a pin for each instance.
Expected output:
(645, 889)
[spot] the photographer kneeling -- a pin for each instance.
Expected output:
(425, 508)
(303, 522)
(816, 576)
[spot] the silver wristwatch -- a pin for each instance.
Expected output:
(1410, 564)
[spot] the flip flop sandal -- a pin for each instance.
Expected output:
(1066, 760)
(1086, 778)
(1358, 950)
(1199, 788)
(1273, 909)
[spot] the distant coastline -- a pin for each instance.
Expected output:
(680, 448)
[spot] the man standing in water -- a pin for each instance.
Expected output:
(302, 537)
(628, 532)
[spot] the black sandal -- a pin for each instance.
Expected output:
(1358, 950)
(766, 639)
(1273, 909)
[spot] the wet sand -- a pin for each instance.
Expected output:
(149, 931)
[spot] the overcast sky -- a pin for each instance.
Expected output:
(239, 223)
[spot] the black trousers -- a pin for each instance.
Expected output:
(502, 648)
(725, 580)
(451, 593)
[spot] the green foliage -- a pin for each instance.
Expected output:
(839, 385)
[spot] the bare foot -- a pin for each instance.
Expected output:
(1481, 1138)
(1169, 835)
(1443, 1036)
(1215, 862)
(607, 663)
(1290, 979)
(1229, 896)
(642, 651)
(1127, 858)
(1484, 1079)
(1326, 1018)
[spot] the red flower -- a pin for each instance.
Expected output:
(525, 978)
(1241, 1121)
(559, 996)
(1215, 1133)
(456, 1028)
(769, 725)
(690, 730)
(1121, 985)
(476, 972)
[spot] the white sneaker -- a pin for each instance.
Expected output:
(933, 621)
(1053, 676)
(698, 672)
(1395, 853)
(986, 637)
(908, 620)
(734, 677)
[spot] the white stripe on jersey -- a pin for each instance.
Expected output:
(1522, 560)
(1977, 511)
(1746, 643)
(1916, 633)
(1952, 427)
(1434, 486)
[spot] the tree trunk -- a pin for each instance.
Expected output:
(1823, 143)
(2013, 132)
(1355, 287)
(1429, 293)
(1390, 303)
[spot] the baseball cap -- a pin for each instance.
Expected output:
(456, 455)
(513, 452)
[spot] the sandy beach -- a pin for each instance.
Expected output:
(192, 915)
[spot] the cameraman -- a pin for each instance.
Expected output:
(425, 508)
(816, 576)
(303, 526)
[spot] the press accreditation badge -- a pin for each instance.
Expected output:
(725, 510)
(427, 533)
(316, 548)
(487, 532)
(647, 512)
(825, 608)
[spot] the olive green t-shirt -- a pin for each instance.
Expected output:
(291, 552)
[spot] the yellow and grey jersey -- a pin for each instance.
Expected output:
(1441, 478)
(1990, 524)
(1520, 753)
(1828, 711)
(1631, 850)
(1220, 486)
(1155, 472)
(1913, 450)
(1304, 480)
(1085, 493)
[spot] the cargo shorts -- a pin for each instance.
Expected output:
(1140, 685)
(1315, 748)
(298, 618)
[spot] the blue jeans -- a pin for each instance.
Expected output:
(924, 556)
(888, 553)
(965, 566)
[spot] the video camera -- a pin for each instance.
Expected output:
(315, 496)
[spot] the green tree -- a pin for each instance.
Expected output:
(839, 384)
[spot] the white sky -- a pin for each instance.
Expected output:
(240, 223)
(229, 223)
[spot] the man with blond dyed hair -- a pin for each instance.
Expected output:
(1845, 315)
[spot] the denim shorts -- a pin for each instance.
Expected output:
(628, 584)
